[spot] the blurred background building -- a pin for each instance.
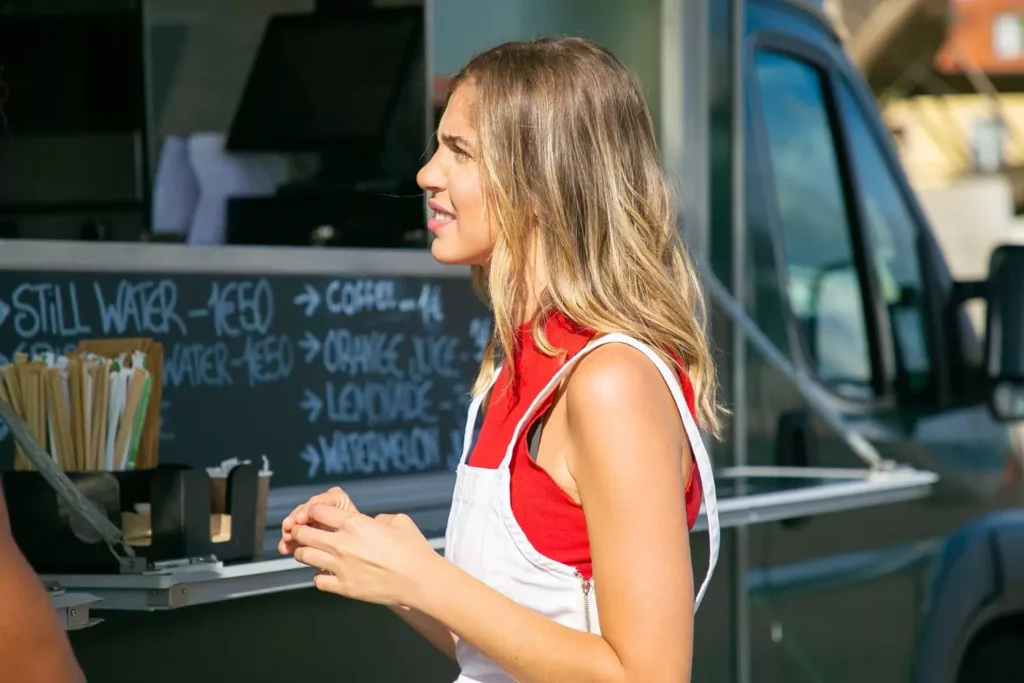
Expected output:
(949, 77)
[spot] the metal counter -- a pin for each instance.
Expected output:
(747, 496)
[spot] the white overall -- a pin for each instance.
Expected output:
(484, 539)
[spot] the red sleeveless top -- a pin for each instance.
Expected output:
(552, 521)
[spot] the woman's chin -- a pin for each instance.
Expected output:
(440, 251)
(447, 251)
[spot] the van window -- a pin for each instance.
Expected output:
(892, 245)
(823, 281)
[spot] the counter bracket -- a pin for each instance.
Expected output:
(72, 608)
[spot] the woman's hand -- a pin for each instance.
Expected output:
(334, 497)
(374, 560)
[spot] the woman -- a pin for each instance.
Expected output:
(567, 554)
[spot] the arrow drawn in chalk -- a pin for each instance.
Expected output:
(308, 298)
(310, 344)
(310, 455)
(312, 404)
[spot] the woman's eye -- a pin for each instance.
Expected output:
(460, 153)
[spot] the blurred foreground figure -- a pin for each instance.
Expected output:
(33, 646)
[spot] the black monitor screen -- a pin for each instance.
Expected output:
(71, 74)
(328, 82)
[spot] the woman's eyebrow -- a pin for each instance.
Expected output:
(455, 141)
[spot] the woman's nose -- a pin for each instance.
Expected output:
(431, 177)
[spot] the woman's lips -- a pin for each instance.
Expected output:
(438, 221)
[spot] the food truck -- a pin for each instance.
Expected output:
(869, 489)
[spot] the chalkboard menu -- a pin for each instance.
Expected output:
(330, 378)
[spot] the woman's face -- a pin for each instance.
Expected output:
(463, 231)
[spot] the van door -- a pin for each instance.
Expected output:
(839, 282)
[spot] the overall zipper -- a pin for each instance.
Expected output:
(587, 585)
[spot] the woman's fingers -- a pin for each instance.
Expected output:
(288, 543)
(328, 583)
(315, 557)
(334, 497)
(326, 516)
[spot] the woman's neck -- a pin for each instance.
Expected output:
(536, 283)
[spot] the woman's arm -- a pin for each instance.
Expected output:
(33, 646)
(629, 458)
(436, 633)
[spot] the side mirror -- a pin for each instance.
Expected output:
(1004, 338)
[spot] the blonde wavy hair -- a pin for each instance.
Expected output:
(571, 173)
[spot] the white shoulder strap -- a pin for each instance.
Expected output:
(700, 454)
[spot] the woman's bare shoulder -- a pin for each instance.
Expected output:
(606, 372)
(617, 395)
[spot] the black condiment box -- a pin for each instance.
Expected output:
(56, 540)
